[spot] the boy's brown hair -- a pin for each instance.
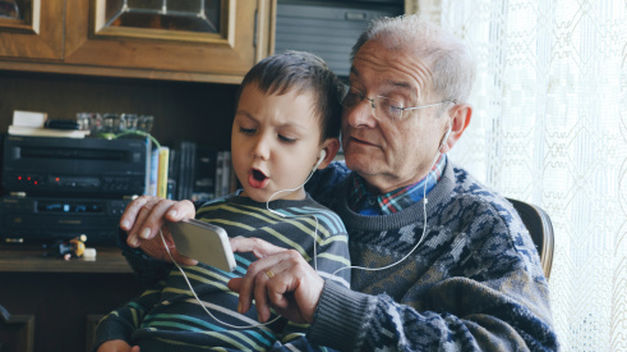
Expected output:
(304, 71)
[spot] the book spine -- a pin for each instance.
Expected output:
(173, 174)
(154, 171)
(147, 169)
(162, 172)
(226, 162)
(180, 186)
(191, 169)
(218, 174)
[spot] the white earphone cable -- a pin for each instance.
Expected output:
(200, 302)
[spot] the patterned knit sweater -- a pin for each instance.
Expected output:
(473, 284)
(167, 317)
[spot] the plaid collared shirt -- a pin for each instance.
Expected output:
(365, 202)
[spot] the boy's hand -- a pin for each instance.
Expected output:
(146, 215)
(117, 346)
(280, 279)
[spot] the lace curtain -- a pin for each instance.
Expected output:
(550, 127)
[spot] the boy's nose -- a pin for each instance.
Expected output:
(261, 148)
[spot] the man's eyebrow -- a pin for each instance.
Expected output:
(401, 84)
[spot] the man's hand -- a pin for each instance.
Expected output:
(145, 216)
(280, 279)
(117, 346)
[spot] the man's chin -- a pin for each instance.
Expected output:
(361, 164)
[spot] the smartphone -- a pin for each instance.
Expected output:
(204, 242)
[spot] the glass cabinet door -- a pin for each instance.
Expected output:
(216, 39)
(187, 20)
(17, 10)
(31, 28)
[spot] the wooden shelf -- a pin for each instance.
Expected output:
(16, 259)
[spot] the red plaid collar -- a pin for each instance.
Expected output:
(366, 202)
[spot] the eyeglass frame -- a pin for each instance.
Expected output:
(400, 108)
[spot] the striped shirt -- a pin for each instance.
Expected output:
(168, 317)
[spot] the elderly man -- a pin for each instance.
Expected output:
(455, 270)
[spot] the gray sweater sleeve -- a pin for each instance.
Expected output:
(488, 321)
(497, 303)
(475, 284)
(339, 316)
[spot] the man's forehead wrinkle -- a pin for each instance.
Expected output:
(422, 75)
(416, 75)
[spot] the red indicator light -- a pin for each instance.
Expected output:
(28, 178)
(19, 178)
(57, 179)
(35, 182)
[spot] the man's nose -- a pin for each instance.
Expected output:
(361, 114)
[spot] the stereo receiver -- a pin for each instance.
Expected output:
(46, 219)
(74, 167)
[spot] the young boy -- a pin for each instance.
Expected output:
(286, 125)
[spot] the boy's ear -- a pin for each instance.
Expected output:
(330, 146)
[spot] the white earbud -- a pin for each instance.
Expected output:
(323, 154)
(443, 143)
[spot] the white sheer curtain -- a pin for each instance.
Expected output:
(550, 127)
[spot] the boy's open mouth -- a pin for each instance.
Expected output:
(258, 175)
(257, 179)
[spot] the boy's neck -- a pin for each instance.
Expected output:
(299, 194)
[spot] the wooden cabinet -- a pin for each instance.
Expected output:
(79, 36)
(56, 304)
(35, 33)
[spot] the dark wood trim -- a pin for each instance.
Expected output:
(15, 259)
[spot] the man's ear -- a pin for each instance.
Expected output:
(331, 147)
(460, 115)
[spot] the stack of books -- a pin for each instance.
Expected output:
(29, 123)
(200, 173)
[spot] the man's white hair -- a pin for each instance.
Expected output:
(450, 61)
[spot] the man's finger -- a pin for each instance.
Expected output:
(253, 283)
(259, 291)
(259, 247)
(181, 259)
(235, 284)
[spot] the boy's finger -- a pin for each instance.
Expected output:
(154, 220)
(181, 210)
(130, 213)
(140, 221)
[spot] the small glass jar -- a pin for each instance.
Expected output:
(145, 123)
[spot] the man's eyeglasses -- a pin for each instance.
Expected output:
(383, 107)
